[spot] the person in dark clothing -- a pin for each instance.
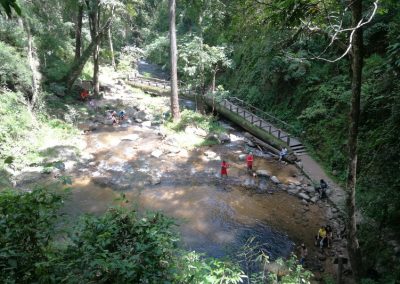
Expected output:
(321, 190)
(323, 187)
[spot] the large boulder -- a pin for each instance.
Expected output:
(213, 138)
(304, 196)
(224, 138)
(157, 153)
(264, 173)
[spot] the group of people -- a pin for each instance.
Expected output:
(323, 239)
(249, 162)
(116, 117)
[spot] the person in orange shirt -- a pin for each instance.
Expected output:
(250, 159)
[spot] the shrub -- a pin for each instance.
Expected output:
(14, 70)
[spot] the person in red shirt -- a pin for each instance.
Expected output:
(84, 94)
(250, 159)
(224, 168)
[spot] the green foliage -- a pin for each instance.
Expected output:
(26, 229)
(118, 247)
(14, 69)
(9, 6)
(192, 118)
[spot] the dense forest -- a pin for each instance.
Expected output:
(292, 58)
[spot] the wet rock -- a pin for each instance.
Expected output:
(157, 153)
(213, 138)
(142, 115)
(304, 196)
(249, 183)
(130, 137)
(250, 143)
(309, 189)
(155, 180)
(282, 186)
(31, 174)
(321, 257)
(264, 173)
(108, 121)
(275, 180)
(293, 191)
(146, 124)
(224, 138)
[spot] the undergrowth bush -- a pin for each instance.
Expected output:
(196, 119)
(14, 70)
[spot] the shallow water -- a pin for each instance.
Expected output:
(215, 216)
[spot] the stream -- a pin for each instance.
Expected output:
(214, 216)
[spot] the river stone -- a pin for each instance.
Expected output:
(275, 180)
(264, 173)
(213, 138)
(155, 180)
(138, 120)
(130, 137)
(146, 124)
(224, 138)
(141, 115)
(293, 191)
(242, 157)
(314, 199)
(210, 154)
(304, 196)
(250, 144)
(292, 186)
(157, 153)
(108, 122)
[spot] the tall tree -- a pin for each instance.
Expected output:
(78, 32)
(356, 81)
(174, 61)
(94, 24)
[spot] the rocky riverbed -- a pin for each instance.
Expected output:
(160, 170)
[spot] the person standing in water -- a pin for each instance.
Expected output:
(224, 168)
(250, 159)
(303, 253)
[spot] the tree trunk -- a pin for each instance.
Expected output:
(95, 25)
(76, 67)
(78, 33)
(356, 68)
(111, 49)
(33, 65)
(174, 58)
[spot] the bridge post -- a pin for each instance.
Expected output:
(288, 140)
(279, 134)
(269, 130)
(252, 119)
(244, 113)
(230, 107)
(260, 123)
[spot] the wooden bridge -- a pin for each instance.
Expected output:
(256, 117)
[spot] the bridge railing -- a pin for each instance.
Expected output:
(262, 114)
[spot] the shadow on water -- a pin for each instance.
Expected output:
(215, 216)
